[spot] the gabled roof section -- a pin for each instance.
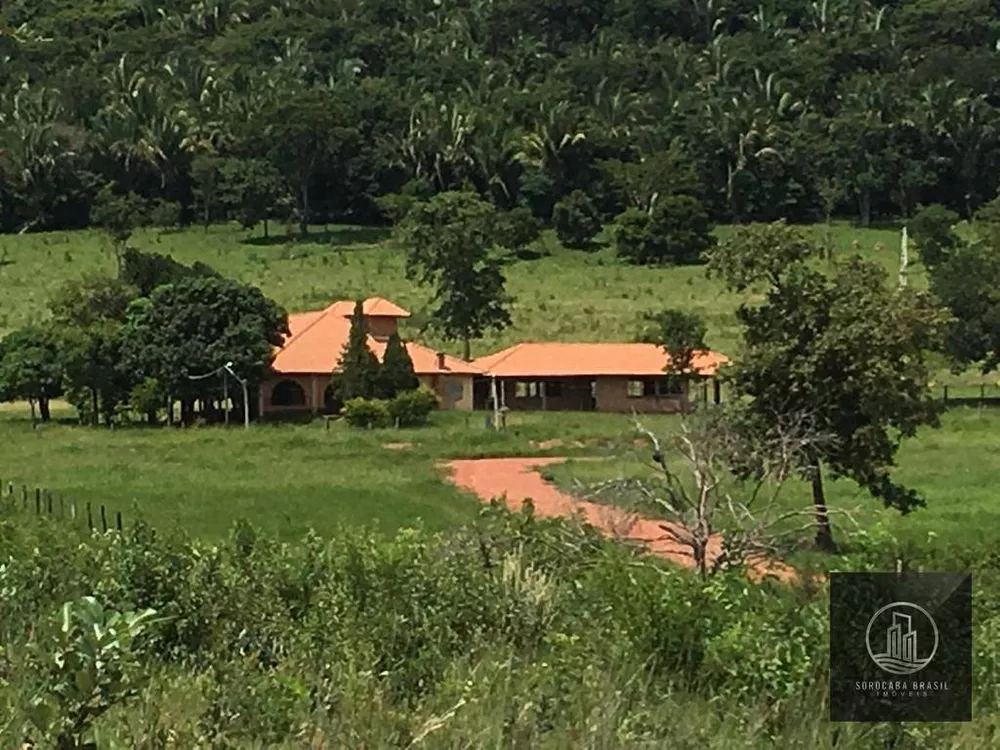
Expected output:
(566, 360)
(317, 339)
(426, 361)
(373, 307)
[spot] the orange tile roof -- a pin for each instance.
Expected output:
(425, 360)
(317, 339)
(564, 360)
(373, 307)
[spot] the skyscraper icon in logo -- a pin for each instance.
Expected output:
(902, 649)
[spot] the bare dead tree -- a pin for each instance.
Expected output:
(719, 481)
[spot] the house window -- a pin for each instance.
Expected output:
(635, 389)
(670, 386)
(525, 389)
(288, 393)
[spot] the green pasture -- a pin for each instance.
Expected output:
(566, 295)
(283, 478)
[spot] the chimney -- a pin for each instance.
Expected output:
(440, 360)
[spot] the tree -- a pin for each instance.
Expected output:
(359, 371)
(396, 374)
(681, 335)
(31, 368)
(146, 271)
(207, 178)
(967, 281)
(931, 230)
(305, 136)
(451, 241)
(848, 350)
(653, 175)
(89, 314)
(194, 326)
(120, 215)
(720, 499)
(675, 231)
(576, 220)
(251, 190)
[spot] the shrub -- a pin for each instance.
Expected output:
(411, 408)
(677, 231)
(166, 214)
(576, 220)
(521, 228)
(931, 229)
(366, 412)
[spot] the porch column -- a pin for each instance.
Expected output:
(316, 395)
(541, 392)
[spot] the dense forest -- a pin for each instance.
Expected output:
(310, 111)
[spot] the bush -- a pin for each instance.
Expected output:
(366, 412)
(521, 228)
(165, 214)
(931, 230)
(676, 232)
(576, 220)
(411, 408)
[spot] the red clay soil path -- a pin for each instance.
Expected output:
(518, 480)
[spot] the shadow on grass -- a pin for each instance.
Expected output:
(352, 235)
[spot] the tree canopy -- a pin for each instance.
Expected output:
(791, 109)
(846, 352)
(452, 242)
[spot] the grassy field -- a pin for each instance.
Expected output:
(955, 467)
(566, 295)
(283, 478)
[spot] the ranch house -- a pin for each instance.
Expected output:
(305, 363)
(591, 377)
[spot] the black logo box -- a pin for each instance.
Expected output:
(879, 668)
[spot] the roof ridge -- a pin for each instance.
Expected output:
(300, 334)
(509, 352)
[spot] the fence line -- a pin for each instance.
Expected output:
(46, 504)
(988, 396)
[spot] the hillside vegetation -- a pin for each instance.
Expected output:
(293, 110)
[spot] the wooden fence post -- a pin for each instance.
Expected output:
(24, 495)
(90, 517)
(118, 519)
(72, 509)
(48, 495)
(62, 506)
(946, 395)
(38, 501)
(104, 520)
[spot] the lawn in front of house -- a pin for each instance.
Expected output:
(285, 478)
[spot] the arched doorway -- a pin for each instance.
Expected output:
(288, 393)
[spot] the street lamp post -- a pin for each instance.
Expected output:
(246, 396)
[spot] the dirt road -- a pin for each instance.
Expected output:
(518, 479)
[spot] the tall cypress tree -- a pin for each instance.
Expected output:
(396, 373)
(359, 368)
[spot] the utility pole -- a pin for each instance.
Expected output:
(904, 259)
(246, 396)
(225, 395)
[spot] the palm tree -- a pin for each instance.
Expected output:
(31, 153)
